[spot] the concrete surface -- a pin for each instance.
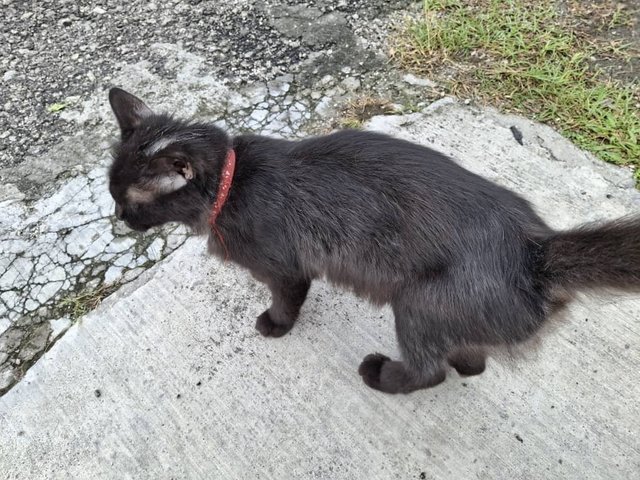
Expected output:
(167, 379)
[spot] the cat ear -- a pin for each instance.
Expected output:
(172, 165)
(128, 109)
(184, 168)
(172, 174)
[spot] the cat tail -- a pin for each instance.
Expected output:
(604, 255)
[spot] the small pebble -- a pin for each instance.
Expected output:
(517, 134)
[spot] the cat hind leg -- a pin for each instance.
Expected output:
(423, 345)
(468, 360)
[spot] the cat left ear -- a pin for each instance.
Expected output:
(128, 109)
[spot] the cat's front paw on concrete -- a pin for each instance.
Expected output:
(268, 328)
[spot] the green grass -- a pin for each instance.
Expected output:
(81, 303)
(520, 56)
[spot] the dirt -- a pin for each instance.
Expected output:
(598, 23)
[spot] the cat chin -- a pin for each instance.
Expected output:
(138, 228)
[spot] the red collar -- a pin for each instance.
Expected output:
(226, 177)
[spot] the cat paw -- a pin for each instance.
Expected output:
(468, 365)
(381, 373)
(371, 367)
(267, 328)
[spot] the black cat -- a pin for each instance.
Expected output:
(465, 264)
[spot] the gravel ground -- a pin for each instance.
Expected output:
(58, 52)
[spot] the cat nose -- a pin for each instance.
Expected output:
(118, 211)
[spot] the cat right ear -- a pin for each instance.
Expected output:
(128, 109)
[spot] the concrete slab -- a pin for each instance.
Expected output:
(168, 379)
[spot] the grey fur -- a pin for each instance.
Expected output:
(465, 264)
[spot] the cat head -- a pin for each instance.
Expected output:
(164, 169)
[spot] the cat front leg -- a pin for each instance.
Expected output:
(287, 297)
